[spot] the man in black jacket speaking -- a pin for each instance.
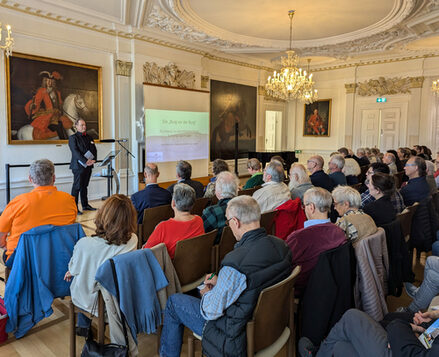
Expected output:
(84, 155)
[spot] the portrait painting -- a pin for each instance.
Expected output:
(317, 118)
(232, 103)
(46, 96)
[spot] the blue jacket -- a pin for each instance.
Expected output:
(320, 179)
(37, 275)
(151, 196)
(415, 191)
(140, 277)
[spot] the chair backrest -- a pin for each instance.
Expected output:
(356, 186)
(406, 218)
(362, 175)
(193, 257)
(267, 221)
(398, 179)
(225, 245)
(152, 217)
(199, 205)
(248, 191)
(270, 316)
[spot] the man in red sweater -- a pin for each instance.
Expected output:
(317, 236)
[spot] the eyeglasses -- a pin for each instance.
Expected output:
(312, 162)
(228, 220)
(411, 165)
(306, 204)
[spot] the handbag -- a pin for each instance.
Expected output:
(95, 349)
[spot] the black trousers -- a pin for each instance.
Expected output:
(81, 178)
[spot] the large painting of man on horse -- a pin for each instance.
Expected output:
(46, 97)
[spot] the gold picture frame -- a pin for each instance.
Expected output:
(317, 118)
(46, 95)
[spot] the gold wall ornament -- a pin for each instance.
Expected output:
(8, 42)
(169, 75)
(267, 97)
(350, 88)
(123, 68)
(204, 81)
(388, 86)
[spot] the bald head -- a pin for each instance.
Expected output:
(315, 163)
(151, 173)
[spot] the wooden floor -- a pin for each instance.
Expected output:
(51, 336)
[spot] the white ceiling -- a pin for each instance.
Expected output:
(324, 30)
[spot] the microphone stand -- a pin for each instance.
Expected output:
(119, 141)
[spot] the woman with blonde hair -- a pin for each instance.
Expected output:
(299, 181)
(116, 224)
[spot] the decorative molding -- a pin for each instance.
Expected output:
(123, 68)
(388, 86)
(350, 88)
(204, 81)
(169, 75)
(262, 92)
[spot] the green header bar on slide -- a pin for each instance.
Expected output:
(174, 122)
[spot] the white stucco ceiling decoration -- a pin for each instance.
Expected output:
(393, 24)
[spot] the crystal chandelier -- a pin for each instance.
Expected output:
(291, 82)
(435, 86)
(9, 41)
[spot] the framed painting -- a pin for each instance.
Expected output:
(317, 118)
(232, 103)
(46, 96)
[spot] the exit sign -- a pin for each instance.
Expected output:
(381, 100)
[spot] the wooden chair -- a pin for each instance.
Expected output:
(249, 191)
(194, 258)
(225, 246)
(406, 218)
(272, 324)
(199, 205)
(356, 186)
(73, 310)
(152, 217)
(267, 221)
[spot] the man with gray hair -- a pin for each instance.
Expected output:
(43, 205)
(274, 191)
(389, 159)
(361, 157)
(317, 236)
(257, 261)
(336, 164)
(214, 217)
(183, 174)
(152, 195)
(318, 177)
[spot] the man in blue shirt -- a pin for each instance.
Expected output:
(417, 187)
(152, 195)
(257, 261)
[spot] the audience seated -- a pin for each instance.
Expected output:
(424, 294)
(254, 169)
(398, 163)
(336, 164)
(318, 177)
(218, 166)
(115, 234)
(395, 198)
(374, 155)
(274, 192)
(403, 155)
(381, 187)
(257, 261)
(417, 187)
(361, 157)
(351, 167)
(430, 177)
(184, 172)
(152, 195)
(184, 225)
(214, 217)
(43, 205)
(300, 182)
(357, 334)
(389, 159)
(317, 236)
(354, 222)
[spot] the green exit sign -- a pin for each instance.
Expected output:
(381, 100)
(298, 151)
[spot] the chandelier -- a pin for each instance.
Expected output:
(291, 82)
(435, 86)
(9, 41)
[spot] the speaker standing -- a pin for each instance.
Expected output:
(84, 155)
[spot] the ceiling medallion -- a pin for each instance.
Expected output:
(291, 82)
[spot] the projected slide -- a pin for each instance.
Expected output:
(176, 135)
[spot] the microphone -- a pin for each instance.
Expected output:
(107, 140)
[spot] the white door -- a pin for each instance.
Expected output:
(370, 127)
(390, 118)
(273, 130)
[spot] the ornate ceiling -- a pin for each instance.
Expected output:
(258, 29)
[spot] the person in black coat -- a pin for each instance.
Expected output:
(318, 177)
(381, 186)
(81, 144)
(184, 172)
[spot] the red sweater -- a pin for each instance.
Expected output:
(172, 231)
(306, 245)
